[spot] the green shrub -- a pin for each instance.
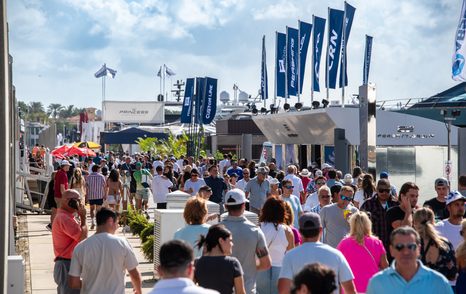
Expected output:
(138, 223)
(148, 248)
(148, 231)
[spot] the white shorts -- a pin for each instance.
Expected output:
(113, 199)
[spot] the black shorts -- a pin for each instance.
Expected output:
(96, 202)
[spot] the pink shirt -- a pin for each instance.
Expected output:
(66, 233)
(360, 261)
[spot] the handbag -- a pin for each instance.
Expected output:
(372, 256)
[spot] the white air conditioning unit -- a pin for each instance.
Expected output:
(166, 223)
(15, 274)
(177, 199)
(251, 216)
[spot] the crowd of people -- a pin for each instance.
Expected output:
(348, 231)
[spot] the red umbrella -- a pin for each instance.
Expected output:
(80, 151)
(58, 152)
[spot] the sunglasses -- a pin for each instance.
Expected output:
(320, 183)
(325, 196)
(289, 187)
(384, 190)
(343, 197)
(410, 246)
(194, 175)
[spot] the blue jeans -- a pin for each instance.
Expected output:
(267, 281)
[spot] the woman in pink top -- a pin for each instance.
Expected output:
(365, 253)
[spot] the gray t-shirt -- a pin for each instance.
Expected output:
(334, 223)
(312, 252)
(249, 242)
(257, 192)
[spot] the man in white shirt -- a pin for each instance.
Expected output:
(157, 162)
(298, 189)
(223, 165)
(193, 185)
(450, 228)
(313, 251)
(161, 186)
(99, 263)
(241, 184)
(177, 270)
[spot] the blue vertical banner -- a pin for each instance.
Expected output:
(305, 30)
(280, 64)
(367, 60)
(292, 60)
(209, 106)
(334, 46)
(187, 110)
(457, 70)
(264, 80)
(349, 16)
(200, 86)
(317, 41)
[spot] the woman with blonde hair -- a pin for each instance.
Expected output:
(78, 182)
(363, 251)
(461, 261)
(195, 216)
(436, 251)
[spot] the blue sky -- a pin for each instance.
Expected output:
(58, 45)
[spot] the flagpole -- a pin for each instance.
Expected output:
(264, 71)
(163, 74)
(276, 71)
(327, 59)
(312, 59)
(160, 77)
(299, 60)
(343, 64)
(286, 66)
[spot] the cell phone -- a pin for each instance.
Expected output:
(73, 203)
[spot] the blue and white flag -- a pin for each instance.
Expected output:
(349, 16)
(457, 71)
(334, 46)
(104, 71)
(187, 110)
(209, 106)
(292, 44)
(280, 64)
(264, 80)
(304, 38)
(169, 72)
(317, 41)
(367, 60)
(200, 86)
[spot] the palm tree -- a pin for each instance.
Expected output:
(68, 111)
(23, 108)
(36, 112)
(54, 109)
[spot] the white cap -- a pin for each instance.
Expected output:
(273, 181)
(348, 179)
(326, 165)
(65, 162)
(235, 197)
(454, 196)
(318, 173)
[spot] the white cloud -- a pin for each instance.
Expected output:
(282, 10)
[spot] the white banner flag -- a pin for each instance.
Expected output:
(458, 73)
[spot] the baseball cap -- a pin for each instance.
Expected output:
(383, 175)
(65, 162)
(274, 181)
(454, 196)
(262, 170)
(309, 221)
(318, 173)
(138, 164)
(71, 194)
(326, 165)
(441, 182)
(348, 179)
(235, 197)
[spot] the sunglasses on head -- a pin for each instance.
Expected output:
(383, 190)
(343, 197)
(410, 246)
(289, 187)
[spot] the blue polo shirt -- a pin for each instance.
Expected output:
(424, 281)
(218, 186)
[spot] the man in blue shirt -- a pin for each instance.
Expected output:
(407, 274)
(217, 185)
(235, 169)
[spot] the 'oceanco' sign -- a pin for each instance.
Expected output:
(460, 49)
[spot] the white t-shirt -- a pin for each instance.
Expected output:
(359, 197)
(160, 186)
(450, 231)
(241, 184)
(312, 252)
(297, 183)
(195, 185)
(101, 261)
(223, 165)
(311, 201)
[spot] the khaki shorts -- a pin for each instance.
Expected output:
(143, 194)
